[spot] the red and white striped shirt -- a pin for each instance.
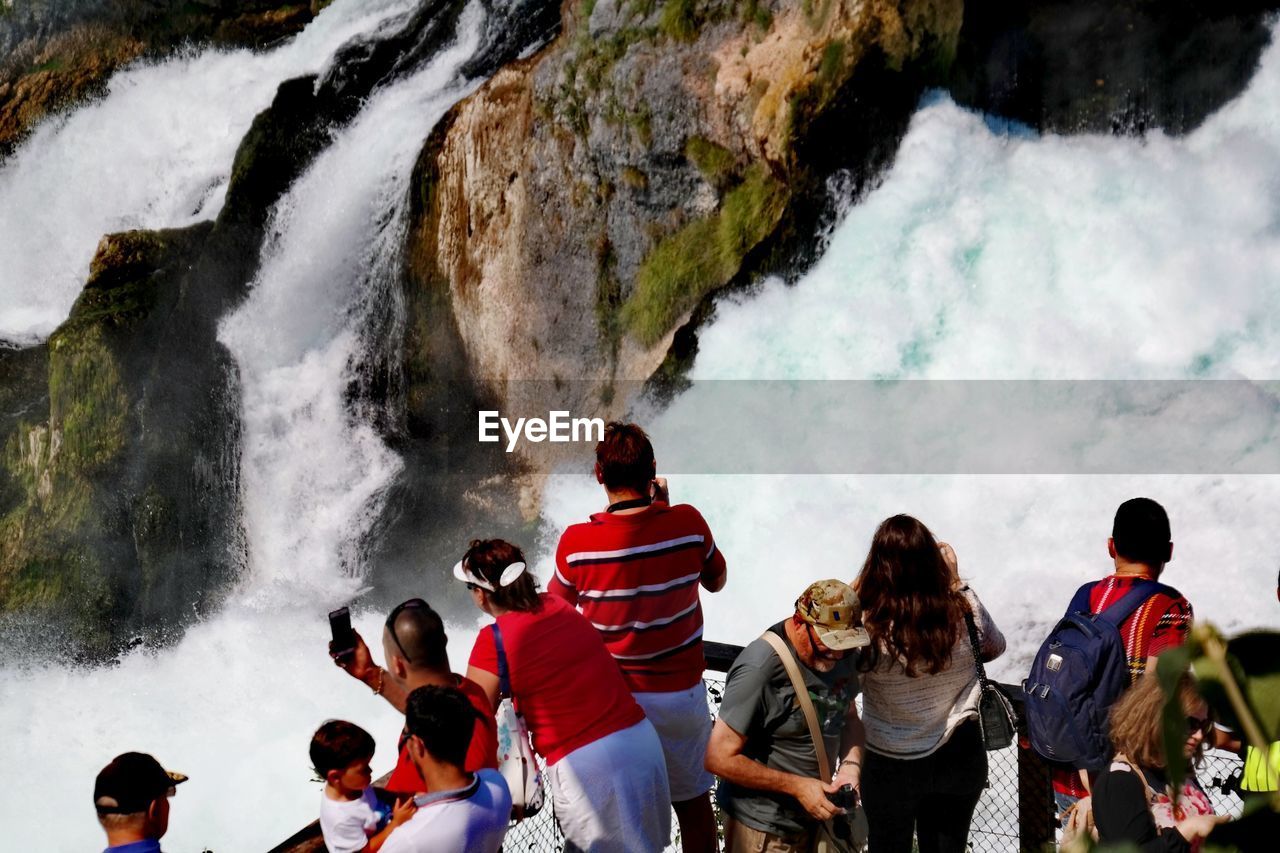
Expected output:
(635, 577)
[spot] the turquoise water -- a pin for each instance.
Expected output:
(990, 252)
(985, 252)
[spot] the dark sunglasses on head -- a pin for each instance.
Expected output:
(411, 604)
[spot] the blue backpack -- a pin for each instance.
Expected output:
(1078, 674)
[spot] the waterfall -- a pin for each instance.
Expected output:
(987, 252)
(154, 152)
(234, 703)
(312, 472)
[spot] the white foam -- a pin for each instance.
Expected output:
(234, 703)
(154, 152)
(313, 472)
(233, 706)
(990, 252)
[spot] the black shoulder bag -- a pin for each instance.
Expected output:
(995, 713)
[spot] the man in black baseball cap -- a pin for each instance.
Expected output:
(131, 795)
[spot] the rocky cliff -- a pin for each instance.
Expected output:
(576, 210)
(575, 214)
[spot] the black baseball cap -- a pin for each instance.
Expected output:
(131, 782)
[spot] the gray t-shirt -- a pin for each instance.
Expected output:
(759, 703)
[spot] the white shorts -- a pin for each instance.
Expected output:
(611, 795)
(683, 722)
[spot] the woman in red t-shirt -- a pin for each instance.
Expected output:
(604, 760)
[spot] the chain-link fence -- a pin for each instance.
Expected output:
(1014, 814)
(999, 823)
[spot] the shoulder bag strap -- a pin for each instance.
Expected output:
(977, 650)
(1137, 596)
(504, 676)
(806, 704)
(1152, 794)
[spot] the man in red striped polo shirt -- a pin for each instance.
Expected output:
(634, 572)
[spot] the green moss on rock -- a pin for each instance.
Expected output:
(680, 20)
(717, 164)
(68, 548)
(702, 256)
(87, 401)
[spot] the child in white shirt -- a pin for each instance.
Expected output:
(352, 819)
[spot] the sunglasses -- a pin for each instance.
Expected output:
(411, 604)
(1203, 725)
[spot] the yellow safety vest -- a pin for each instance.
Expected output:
(1261, 771)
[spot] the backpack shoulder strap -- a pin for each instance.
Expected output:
(802, 696)
(1133, 599)
(1080, 601)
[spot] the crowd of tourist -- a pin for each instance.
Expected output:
(605, 668)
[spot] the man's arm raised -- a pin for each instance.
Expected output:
(360, 666)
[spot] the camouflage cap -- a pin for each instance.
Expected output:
(832, 608)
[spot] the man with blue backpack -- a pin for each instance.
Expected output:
(1112, 631)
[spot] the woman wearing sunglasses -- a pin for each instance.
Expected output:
(604, 760)
(1133, 801)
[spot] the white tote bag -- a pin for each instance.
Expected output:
(516, 760)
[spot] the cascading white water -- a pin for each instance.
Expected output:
(991, 252)
(333, 256)
(982, 254)
(155, 152)
(234, 703)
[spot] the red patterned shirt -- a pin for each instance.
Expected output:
(635, 577)
(483, 751)
(1160, 623)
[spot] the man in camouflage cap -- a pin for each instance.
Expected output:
(761, 748)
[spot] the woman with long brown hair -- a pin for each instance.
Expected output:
(926, 762)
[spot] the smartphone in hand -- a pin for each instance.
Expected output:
(344, 638)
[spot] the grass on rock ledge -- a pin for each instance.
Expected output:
(702, 256)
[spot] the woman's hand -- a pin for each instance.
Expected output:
(1199, 825)
(949, 557)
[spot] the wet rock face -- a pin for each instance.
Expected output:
(581, 204)
(82, 514)
(1120, 67)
